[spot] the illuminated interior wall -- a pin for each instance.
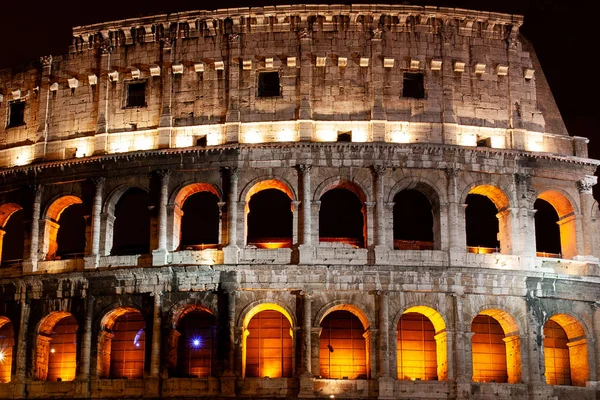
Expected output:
(62, 357)
(128, 346)
(52, 224)
(416, 346)
(7, 342)
(269, 346)
(566, 221)
(556, 355)
(489, 350)
(577, 350)
(342, 347)
(197, 344)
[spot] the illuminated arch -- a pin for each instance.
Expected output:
(56, 347)
(566, 209)
(496, 347)
(50, 245)
(7, 344)
(341, 305)
(440, 361)
(269, 356)
(111, 238)
(566, 358)
(178, 200)
(131, 353)
(6, 211)
(260, 184)
(430, 189)
(337, 182)
(502, 203)
(58, 205)
(494, 193)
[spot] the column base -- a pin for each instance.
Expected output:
(82, 387)
(228, 385)
(307, 387)
(151, 387)
(29, 266)
(159, 257)
(306, 254)
(231, 254)
(382, 255)
(91, 262)
(386, 387)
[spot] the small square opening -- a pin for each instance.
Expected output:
(344, 136)
(136, 94)
(413, 85)
(201, 141)
(16, 115)
(484, 142)
(268, 84)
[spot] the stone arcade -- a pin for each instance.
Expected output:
(280, 202)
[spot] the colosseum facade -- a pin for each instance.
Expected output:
(295, 202)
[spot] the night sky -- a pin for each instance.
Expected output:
(562, 31)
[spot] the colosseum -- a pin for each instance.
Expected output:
(367, 201)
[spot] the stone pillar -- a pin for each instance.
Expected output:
(306, 378)
(86, 339)
(229, 376)
(378, 114)
(384, 333)
(457, 238)
(368, 228)
(156, 331)
(305, 248)
(305, 114)
(315, 335)
(30, 264)
(295, 223)
(222, 237)
(232, 117)
(587, 228)
(165, 120)
(526, 220)
(381, 248)
(21, 364)
(514, 366)
(41, 141)
(92, 260)
(231, 251)
(159, 256)
(104, 88)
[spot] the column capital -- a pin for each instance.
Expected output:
(163, 173)
(98, 181)
(231, 171)
(452, 172)
(585, 185)
(36, 188)
(46, 60)
(303, 168)
(522, 178)
(378, 170)
(307, 294)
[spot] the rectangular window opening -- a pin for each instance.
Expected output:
(268, 84)
(136, 94)
(16, 115)
(201, 141)
(484, 142)
(344, 136)
(413, 85)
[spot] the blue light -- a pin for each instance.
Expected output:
(196, 342)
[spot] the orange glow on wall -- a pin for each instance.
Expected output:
(62, 359)
(556, 355)
(7, 342)
(128, 346)
(197, 344)
(416, 346)
(274, 243)
(489, 350)
(269, 346)
(342, 347)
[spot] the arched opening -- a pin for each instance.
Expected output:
(545, 218)
(342, 218)
(56, 350)
(547, 231)
(269, 345)
(70, 237)
(200, 221)
(270, 219)
(122, 345)
(12, 233)
(422, 349)
(7, 343)
(343, 347)
(481, 224)
(565, 352)
(132, 223)
(196, 344)
(413, 221)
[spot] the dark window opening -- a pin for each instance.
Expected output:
(413, 85)
(16, 115)
(70, 237)
(200, 221)
(136, 94)
(484, 142)
(413, 221)
(270, 219)
(344, 136)
(481, 223)
(341, 218)
(342, 347)
(12, 242)
(547, 230)
(197, 345)
(268, 84)
(201, 142)
(132, 223)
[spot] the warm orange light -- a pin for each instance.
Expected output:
(273, 244)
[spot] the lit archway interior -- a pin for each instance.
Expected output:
(342, 218)
(421, 345)
(132, 223)
(547, 230)
(565, 351)
(56, 351)
(566, 221)
(270, 219)
(12, 233)
(196, 344)
(343, 347)
(200, 221)
(269, 345)
(122, 344)
(481, 224)
(413, 221)
(7, 343)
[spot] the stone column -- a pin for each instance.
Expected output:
(368, 228)
(159, 256)
(43, 109)
(526, 220)
(381, 248)
(587, 229)
(457, 238)
(86, 339)
(231, 251)
(378, 114)
(384, 334)
(222, 238)
(232, 117)
(156, 333)
(21, 364)
(295, 223)
(104, 87)
(30, 264)
(306, 333)
(165, 120)
(2, 233)
(305, 114)
(229, 375)
(305, 248)
(92, 260)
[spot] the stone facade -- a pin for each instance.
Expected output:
(175, 105)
